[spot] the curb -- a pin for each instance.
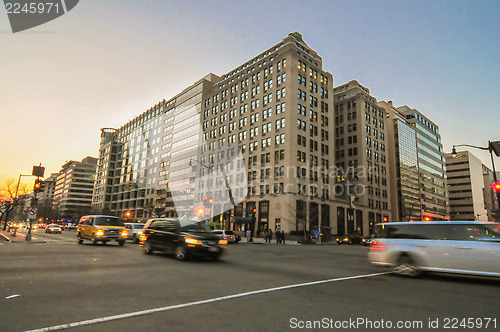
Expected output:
(5, 237)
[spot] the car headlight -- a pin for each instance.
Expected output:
(190, 240)
(99, 232)
(124, 233)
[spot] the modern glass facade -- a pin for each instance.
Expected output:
(431, 165)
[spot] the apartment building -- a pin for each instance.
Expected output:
(254, 145)
(403, 163)
(431, 166)
(74, 187)
(361, 158)
(466, 187)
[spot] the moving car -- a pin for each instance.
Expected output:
(465, 247)
(183, 238)
(134, 231)
(53, 228)
(367, 240)
(101, 229)
(229, 236)
(349, 239)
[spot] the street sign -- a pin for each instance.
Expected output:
(32, 212)
(38, 171)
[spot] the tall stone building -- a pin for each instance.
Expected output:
(74, 187)
(251, 147)
(361, 157)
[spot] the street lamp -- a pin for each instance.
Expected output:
(492, 147)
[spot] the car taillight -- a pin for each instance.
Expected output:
(225, 237)
(378, 246)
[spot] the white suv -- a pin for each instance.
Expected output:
(463, 247)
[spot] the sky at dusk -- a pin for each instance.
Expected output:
(105, 62)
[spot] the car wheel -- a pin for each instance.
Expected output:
(407, 267)
(94, 240)
(147, 248)
(135, 239)
(180, 253)
(121, 243)
(79, 238)
(215, 257)
(104, 242)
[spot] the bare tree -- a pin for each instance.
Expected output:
(9, 194)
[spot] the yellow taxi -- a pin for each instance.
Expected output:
(101, 229)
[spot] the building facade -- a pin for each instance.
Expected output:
(403, 163)
(431, 166)
(361, 158)
(74, 187)
(251, 148)
(466, 187)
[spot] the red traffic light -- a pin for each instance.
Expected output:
(254, 210)
(205, 198)
(496, 186)
(128, 214)
(210, 201)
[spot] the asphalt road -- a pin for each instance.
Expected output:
(61, 282)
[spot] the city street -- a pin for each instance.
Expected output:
(60, 282)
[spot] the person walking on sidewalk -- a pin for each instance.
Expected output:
(282, 237)
(278, 237)
(249, 233)
(270, 235)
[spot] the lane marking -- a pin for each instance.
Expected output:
(190, 304)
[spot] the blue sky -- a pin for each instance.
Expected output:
(106, 61)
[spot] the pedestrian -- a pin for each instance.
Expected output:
(270, 235)
(266, 236)
(282, 237)
(278, 237)
(249, 233)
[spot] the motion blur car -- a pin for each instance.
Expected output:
(134, 231)
(53, 228)
(101, 229)
(349, 239)
(229, 236)
(465, 247)
(183, 238)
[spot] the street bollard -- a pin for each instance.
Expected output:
(14, 231)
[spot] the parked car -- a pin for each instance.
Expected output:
(465, 247)
(229, 236)
(101, 229)
(183, 238)
(134, 231)
(349, 239)
(53, 228)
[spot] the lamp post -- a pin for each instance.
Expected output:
(492, 147)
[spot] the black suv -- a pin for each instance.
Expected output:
(183, 238)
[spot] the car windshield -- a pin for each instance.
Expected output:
(194, 226)
(230, 232)
(138, 226)
(108, 221)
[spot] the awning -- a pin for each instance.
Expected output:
(243, 220)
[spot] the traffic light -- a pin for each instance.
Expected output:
(205, 201)
(496, 186)
(128, 214)
(39, 186)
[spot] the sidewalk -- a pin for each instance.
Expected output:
(20, 237)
